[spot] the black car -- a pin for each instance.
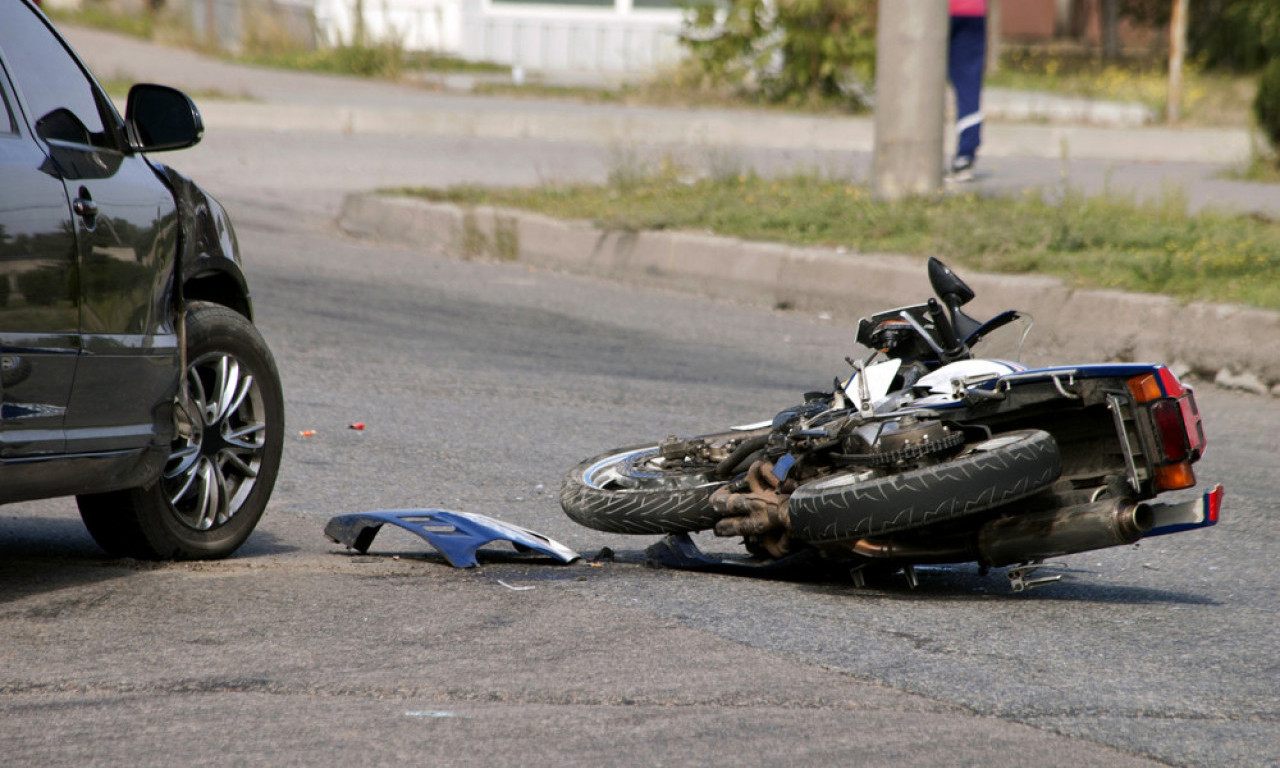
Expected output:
(131, 374)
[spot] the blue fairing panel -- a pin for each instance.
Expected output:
(458, 535)
(1098, 370)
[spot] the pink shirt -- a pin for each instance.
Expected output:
(968, 7)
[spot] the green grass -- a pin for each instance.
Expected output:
(388, 61)
(99, 16)
(364, 61)
(679, 85)
(1262, 168)
(1208, 98)
(1105, 241)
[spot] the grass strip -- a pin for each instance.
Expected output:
(1106, 241)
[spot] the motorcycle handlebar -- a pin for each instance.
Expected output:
(952, 346)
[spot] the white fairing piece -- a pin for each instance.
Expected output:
(879, 380)
(939, 382)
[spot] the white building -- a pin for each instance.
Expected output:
(611, 36)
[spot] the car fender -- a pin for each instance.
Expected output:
(209, 266)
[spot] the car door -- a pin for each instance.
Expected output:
(39, 312)
(126, 233)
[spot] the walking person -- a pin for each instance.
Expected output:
(966, 60)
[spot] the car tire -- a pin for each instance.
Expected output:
(219, 477)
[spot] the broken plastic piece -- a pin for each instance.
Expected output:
(307, 433)
(677, 550)
(515, 589)
(356, 425)
(458, 535)
(1196, 513)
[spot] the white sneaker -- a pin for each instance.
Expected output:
(961, 169)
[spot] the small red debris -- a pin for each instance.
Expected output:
(308, 433)
(357, 425)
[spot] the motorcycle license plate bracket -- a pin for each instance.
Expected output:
(456, 535)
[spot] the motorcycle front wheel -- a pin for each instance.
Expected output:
(635, 490)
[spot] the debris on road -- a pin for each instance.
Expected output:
(457, 535)
(515, 589)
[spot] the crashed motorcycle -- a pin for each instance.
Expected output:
(925, 453)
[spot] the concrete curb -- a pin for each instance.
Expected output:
(497, 119)
(1236, 347)
(1012, 104)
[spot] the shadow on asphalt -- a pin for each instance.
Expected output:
(41, 554)
(959, 583)
(963, 583)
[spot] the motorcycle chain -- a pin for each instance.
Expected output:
(910, 453)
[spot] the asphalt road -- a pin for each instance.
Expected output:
(480, 384)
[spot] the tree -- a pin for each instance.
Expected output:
(1240, 35)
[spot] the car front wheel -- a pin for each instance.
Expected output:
(223, 461)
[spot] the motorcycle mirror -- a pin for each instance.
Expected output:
(947, 284)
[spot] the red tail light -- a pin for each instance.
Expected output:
(1176, 427)
(1171, 432)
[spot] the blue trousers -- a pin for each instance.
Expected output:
(966, 60)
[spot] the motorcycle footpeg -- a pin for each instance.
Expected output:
(1024, 577)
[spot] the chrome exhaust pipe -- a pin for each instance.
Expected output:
(915, 552)
(1063, 531)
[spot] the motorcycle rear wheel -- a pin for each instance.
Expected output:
(984, 475)
(631, 490)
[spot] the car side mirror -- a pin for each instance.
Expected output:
(161, 118)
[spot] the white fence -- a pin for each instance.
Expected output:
(588, 35)
(617, 38)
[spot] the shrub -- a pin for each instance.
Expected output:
(792, 51)
(1266, 105)
(1242, 35)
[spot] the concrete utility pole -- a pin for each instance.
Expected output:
(1177, 54)
(911, 76)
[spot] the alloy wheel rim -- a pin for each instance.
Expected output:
(212, 471)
